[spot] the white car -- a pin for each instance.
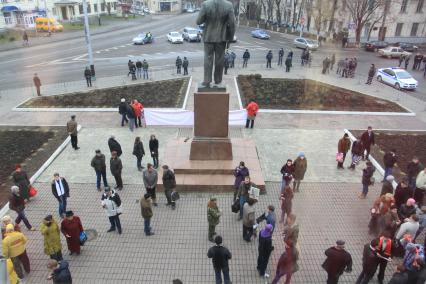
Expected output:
(393, 52)
(397, 77)
(301, 42)
(175, 37)
(190, 10)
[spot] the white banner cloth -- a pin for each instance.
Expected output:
(185, 117)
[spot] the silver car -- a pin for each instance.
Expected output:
(191, 34)
(310, 44)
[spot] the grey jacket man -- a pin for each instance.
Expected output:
(219, 28)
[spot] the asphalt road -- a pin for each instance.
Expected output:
(65, 61)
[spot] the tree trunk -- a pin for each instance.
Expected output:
(331, 25)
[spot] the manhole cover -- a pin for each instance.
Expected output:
(91, 234)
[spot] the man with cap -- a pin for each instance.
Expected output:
(111, 202)
(122, 109)
(14, 248)
(98, 164)
(220, 256)
(146, 210)
(72, 131)
(52, 238)
(300, 165)
(213, 216)
(61, 192)
(338, 261)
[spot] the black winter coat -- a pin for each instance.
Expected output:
(367, 140)
(115, 166)
(130, 112)
(153, 147)
(357, 148)
(367, 173)
(401, 195)
(389, 160)
(406, 211)
(220, 256)
(114, 146)
(414, 169)
(399, 278)
(62, 275)
(64, 184)
(98, 163)
(169, 180)
(337, 261)
(370, 261)
(246, 55)
(138, 150)
(122, 108)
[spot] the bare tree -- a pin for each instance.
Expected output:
(278, 11)
(295, 2)
(362, 12)
(323, 14)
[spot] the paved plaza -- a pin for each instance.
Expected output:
(327, 207)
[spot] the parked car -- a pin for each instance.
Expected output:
(142, 39)
(190, 10)
(397, 77)
(392, 52)
(191, 34)
(406, 46)
(175, 37)
(301, 42)
(374, 45)
(258, 33)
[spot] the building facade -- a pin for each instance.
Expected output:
(22, 13)
(164, 6)
(395, 20)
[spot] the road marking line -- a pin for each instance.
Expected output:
(79, 57)
(115, 48)
(159, 53)
(259, 42)
(260, 48)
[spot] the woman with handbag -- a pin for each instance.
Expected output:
(71, 227)
(240, 173)
(111, 202)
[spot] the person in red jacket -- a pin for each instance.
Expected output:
(252, 109)
(137, 109)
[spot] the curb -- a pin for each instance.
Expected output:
(372, 160)
(238, 93)
(185, 101)
(338, 112)
(46, 164)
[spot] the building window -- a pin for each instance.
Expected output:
(89, 8)
(404, 6)
(398, 29)
(103, 7)
(114, 4)
(80, 9)
(95, 8)
(419, 8)
(414, 29)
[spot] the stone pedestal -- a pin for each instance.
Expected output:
(211, 142)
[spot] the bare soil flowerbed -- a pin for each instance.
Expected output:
(304, 94)
(406, 143)
(159, 94)
(28, 146)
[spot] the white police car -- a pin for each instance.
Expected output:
(397, 77)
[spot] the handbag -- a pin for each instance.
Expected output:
(32, 191)
(175, 195)
(235, 207)
(339, 157)
(83, 238)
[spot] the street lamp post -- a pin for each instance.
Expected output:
(88, 41)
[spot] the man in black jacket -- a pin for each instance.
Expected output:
(178, 65)
(413, 169)
(389, 160)
(185, 64)
(280, 57)
(220, 256)
(61, 191)
(246, 57)
(169, 183)
(338, 260)
(114, 146)
(122, 109)
(370, 261)
(116, 167)
(400, 276)
(367, 139)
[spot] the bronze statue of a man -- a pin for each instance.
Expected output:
(219, 28)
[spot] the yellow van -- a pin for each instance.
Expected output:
(43, 25)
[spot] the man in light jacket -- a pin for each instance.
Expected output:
(150, 179)
(111, 202)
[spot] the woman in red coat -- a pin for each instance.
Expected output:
(252, 109)
(71, 227)
(138, 109)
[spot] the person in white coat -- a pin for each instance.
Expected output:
(111, 202)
